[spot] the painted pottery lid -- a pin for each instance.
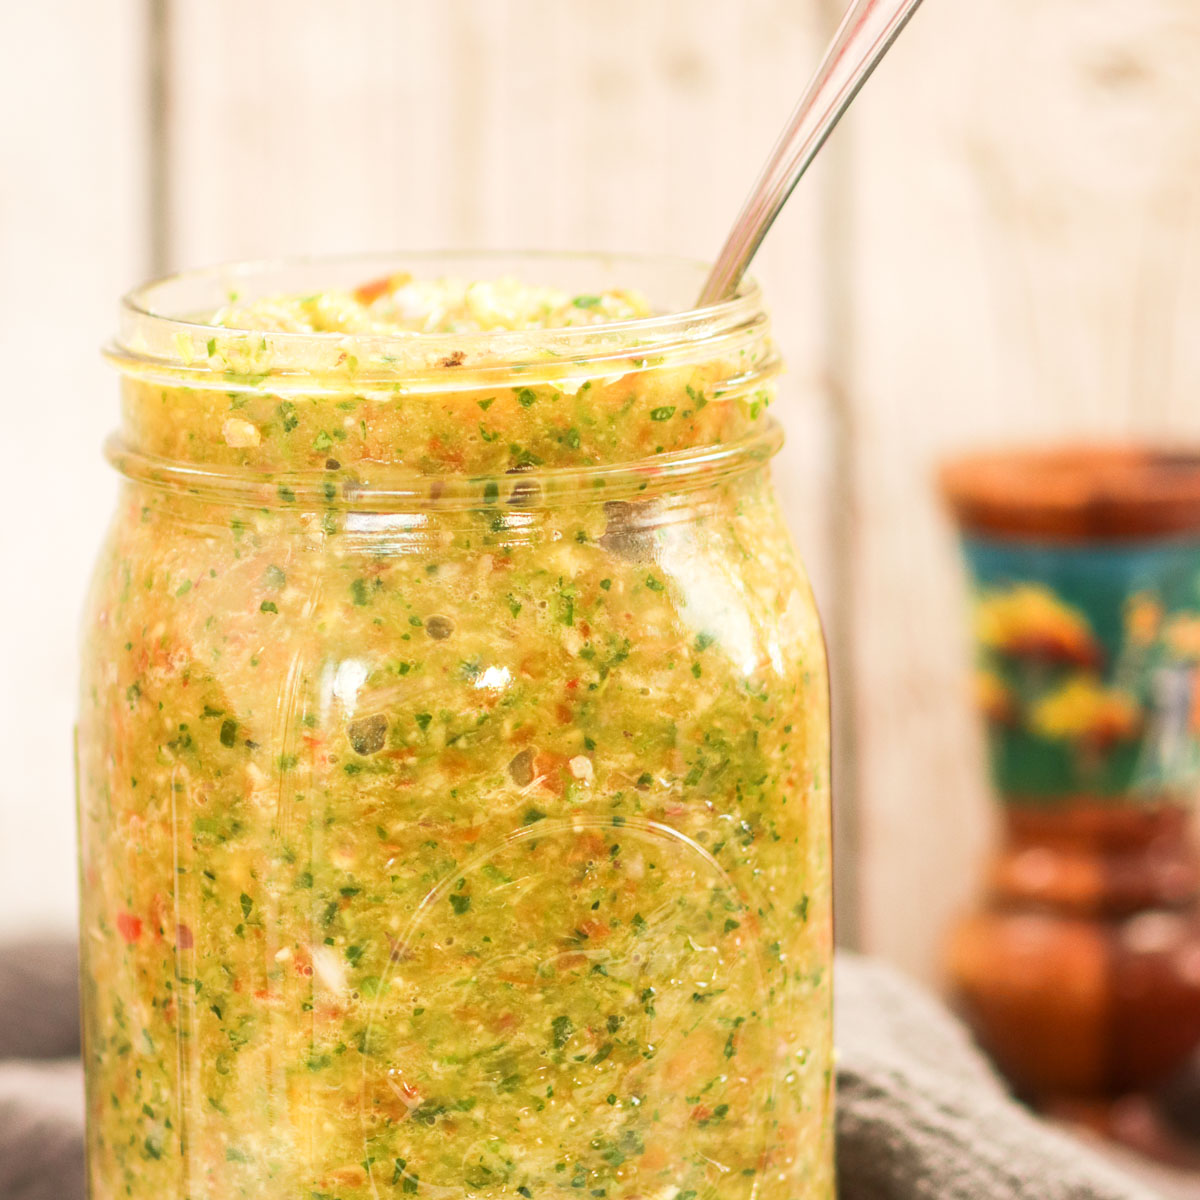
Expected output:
(1076, 493)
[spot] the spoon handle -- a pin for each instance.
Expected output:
(866, 33)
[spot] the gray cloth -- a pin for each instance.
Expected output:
(39, 1000)
(41, 1084)
(41, 1130)
(921, 1116)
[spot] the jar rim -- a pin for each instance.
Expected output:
(161, 333)
(384, 489)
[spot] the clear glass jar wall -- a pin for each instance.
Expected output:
(453, 760)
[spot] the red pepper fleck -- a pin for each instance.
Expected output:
(373, 289)
(129, 926)
(183, 938)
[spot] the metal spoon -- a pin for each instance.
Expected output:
(865, 35)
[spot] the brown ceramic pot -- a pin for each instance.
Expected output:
(1080, 970)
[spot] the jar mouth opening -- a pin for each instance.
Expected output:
(163, 331)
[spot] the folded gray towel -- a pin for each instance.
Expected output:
(41, 1130)
(921, 1116)
(39, 999)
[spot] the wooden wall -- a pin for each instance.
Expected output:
(73, 213)
(1001, 243)
(1024, 264)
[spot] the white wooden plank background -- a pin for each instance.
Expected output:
(1003, 242)
(71, 215)
(1024, 265)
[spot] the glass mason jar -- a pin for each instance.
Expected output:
(453, 759)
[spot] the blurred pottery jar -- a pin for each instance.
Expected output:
(453, 745)
(1081, 971)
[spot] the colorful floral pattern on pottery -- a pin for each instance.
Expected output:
(1087, 661)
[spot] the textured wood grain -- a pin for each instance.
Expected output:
(70, 243)
(1024, 246)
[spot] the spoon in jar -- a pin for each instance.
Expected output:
(865, 35)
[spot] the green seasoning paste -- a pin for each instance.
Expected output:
(453, 823)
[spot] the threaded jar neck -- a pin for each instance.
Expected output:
(597, 396)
